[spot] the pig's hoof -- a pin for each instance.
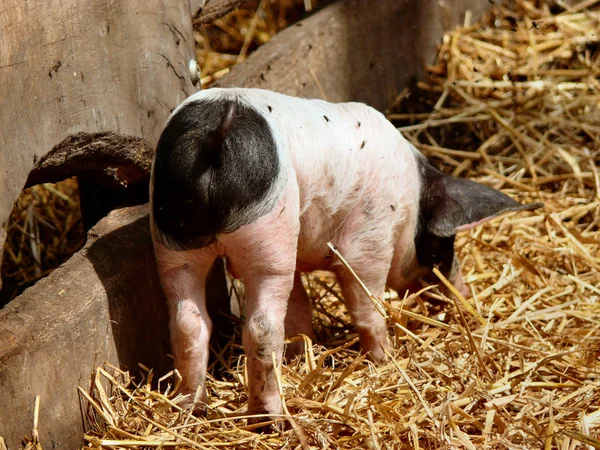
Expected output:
(269, 417)
(190, 402)
(198, 409)
(374, 345)
(267, 424)
(377, 355)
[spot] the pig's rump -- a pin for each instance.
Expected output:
(227, 158)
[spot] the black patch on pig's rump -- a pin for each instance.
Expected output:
(215, 162)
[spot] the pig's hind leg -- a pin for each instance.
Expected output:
(298, 319)
(263, 254)
(183, 277)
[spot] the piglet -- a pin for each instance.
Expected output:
(267, 180)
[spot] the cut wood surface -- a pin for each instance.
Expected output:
(105, 303)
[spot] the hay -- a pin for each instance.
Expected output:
(230, 39)
(44, 230)
(515, 365)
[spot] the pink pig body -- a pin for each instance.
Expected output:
(343, 174)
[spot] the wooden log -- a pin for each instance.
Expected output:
(211, 10)
(105, 303)
(96, 307)
(78, 82)
(358, 50)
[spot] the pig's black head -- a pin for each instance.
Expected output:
(449, 205)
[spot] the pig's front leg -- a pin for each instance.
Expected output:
(370, 324)
(298, 318)
(183, 277)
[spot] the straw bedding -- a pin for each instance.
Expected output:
(512, 102)
(43, 231)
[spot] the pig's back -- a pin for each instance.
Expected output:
(354, 170)
(335, 148)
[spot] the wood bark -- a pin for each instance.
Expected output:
(212, 10)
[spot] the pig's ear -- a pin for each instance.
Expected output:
(463, 204)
